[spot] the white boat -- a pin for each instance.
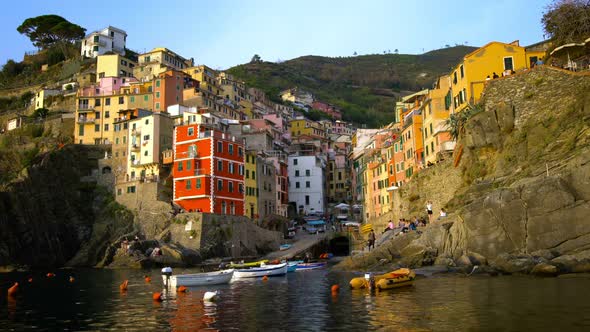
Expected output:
(264, 270)
(200, 279)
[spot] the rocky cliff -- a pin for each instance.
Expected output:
(52, 209)
(519, 199)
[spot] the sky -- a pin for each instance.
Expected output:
(223, 33)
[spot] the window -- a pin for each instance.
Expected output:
(241, 188)
(455, 78)
(96, 128)
(146, 98)
(117, 140)
(230, 186)
(96, 102)
(220, 165)
(241, 169)
(157, 105)
(297, 184)
(188, 184)
(240, 151)
(247, 174)
(147, 121)
(307, 172)
(307, 184)
(119, 192)
(231, 168)
(306, 200)
(130, 189)
(107, 114)
(462, 71)
(230, 149)
(188, 164)
(198, 183)
(295, 161)
(122, 100)
(508, 65)
(107, 101)
(157, 83)
(179, 166)
(219, 185)
(95, 48)
(80, 130)
(253, 175)
(191, 131)
(95, 39)
(106, 127)
(297, 173)
(146, 137)
(431, 129)
(157, 94)
(219, 147)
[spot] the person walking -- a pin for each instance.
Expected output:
(372, 240)
(429, 210)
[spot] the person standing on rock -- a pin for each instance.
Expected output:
(429, 210)
(371, 240)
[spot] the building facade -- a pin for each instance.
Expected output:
(307, 183)
(99, 42)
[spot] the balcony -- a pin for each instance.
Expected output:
(202, 171)
(136, 132)
(135, 147)
(84, 120)
(188, 154)
(135, 162)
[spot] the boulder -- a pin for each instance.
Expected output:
(543, 253)
(513, 264)
(444, 261)
(477, 259)
(463, 261)
(413, 255)
(544, 269)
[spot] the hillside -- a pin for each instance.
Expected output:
(365, 87)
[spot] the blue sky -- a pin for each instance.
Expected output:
(224, 33)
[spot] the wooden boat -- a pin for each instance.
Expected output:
(264, 270)
(292, 266)
(247, 265)
(284, 247)
(310, 266)
(200, 279)
(398, 278)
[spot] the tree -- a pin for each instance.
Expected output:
(567, 21)
(51, 30)
(396, 51)
(256, 59)
(354, 53)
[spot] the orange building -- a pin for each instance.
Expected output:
(208, 170)
(169, 87)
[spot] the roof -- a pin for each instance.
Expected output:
(488, 44)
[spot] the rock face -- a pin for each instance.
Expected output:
(522, 199)
(47, 215)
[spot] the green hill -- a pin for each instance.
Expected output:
(365, 87)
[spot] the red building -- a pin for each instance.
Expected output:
(208, 170)
(329, 109)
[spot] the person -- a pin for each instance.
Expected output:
(307, 258)
(494, 76)
(488, 78)
(390, 226)
(413, 226)
(539, 62)
(443, 213)
(405, 226)
(371, 240)
(429, 210)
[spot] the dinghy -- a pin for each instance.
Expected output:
(264, 270)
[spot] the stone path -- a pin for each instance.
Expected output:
(303, 241)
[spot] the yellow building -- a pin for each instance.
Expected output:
(114, 65)
(435, 111)
(251, 203)
(468, 78)
(302, 126)
(158, 61)
(42, 94)
(406, 103)
(413, 143)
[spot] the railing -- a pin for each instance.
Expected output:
(180, 155)
(135, 147)
(134, 163)
(84, 107)
(85, 120)
(136, 132)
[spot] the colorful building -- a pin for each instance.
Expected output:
(436, 111)
(208, 170)
(304, 127)
(252, 191)
(158, 61)
(99, 42)
(114, 65)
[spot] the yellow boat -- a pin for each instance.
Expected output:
(394, 279)
(245, 265)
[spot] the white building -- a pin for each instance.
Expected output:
(307, 183)
(109, 39)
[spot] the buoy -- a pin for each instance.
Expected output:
(12, 290)
(157, 297)
(50, 275)
(182, 289)
(72, 279)
(265, 278)
(148, 279)
(335, 288)
(30, 279)
(210, 296)
(123, 286)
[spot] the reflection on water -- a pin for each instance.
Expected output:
(298, 302)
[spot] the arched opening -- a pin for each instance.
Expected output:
(106, 170)
(340, 246)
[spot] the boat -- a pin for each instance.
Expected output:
(285, 247)
(247, 265)
(264, 270)
(200, 279)
(394, 279)
(310, 266)
(292, 266)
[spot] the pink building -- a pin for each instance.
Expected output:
(107, 86)
(329, 109)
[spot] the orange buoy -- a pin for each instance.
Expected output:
(123, 286)
(182, 289)
(50, 275)
(335, 288)
(30, 279)
(265, 278)
(72, 279)
(12, 290)
(148, 279)
(157, 297)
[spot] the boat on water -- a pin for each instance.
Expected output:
(394, 279)
(292, 266)
(310, 266)
(199, 279)
(284, 247)
(243, 265)
(264, 270)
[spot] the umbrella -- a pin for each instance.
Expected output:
(342, 206)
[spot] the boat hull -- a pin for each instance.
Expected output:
(267, 270)
(394, 279)
(310, 266)
(247, 265)
(200, 279)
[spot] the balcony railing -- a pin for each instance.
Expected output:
(136, 132)
(85, 120)
(182, 155)
(135, 147)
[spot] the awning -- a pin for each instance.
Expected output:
(342, 206)
(392, 188)
(316, 223)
